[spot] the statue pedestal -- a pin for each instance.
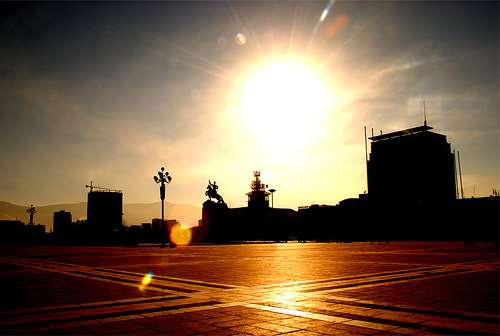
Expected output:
(215, 221)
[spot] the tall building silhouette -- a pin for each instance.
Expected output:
(413, 166)
(62, 224)
(104, 212)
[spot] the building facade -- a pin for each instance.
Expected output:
(104, 213)
(62, 224)
(412, 166)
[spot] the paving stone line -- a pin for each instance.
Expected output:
(42, 329)
(103, 315)
(353, 319)
(481, 317)
(161, 282)
(87, 272)
(96, 305)
(364, 276)
(89, 275)
(383, 281)
(173, 279)
(418, 311)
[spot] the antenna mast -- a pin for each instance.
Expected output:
(425, 115)
(457, 194)
(366, 158)
(460, 174)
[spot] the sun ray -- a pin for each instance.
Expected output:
(216, 71)
(292, 32)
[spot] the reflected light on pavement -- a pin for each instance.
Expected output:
(284, 297)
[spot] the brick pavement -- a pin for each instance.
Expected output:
(262, 289)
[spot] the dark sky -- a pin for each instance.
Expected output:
(110, 91)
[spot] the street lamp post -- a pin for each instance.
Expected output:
(31, 210)
(162, 179)
(272, 197)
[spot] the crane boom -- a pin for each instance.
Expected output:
(92, 186)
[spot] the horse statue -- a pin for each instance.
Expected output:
(212, 192)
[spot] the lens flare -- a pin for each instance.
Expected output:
(180, 236)
(240, 39)
(326, 11)
(336, 26)
(147, 279)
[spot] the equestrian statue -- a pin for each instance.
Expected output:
(212, 192)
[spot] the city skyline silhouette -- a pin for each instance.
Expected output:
(314, 167)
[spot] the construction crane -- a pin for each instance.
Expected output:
(92, 186)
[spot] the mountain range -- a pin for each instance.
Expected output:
(133, 213)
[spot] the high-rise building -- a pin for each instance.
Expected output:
(62, 224)
(104, 212)
(413, 166)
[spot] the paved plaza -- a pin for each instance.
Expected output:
(255, 289)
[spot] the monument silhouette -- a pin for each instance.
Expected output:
(256, 222)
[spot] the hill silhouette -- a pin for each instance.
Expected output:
(133, 213)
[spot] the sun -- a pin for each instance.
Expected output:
(284, 103)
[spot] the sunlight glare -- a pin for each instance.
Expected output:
(284, 103)
(287, 297)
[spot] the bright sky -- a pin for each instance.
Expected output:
(214, 90)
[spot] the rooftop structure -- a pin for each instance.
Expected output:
(397, 134)
(258, 197)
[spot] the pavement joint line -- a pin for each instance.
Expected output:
(361, 320)
(295, 312)
(85, 312)
(174, 279)
(363, 276)
(91, 270)
(356, 280)
(467, 315)
(153, 286)
(103, 315)
(380, 282)
(130, 317)
(95, 305)
(126, 279)
(416, 311)
(149, 288)
(409, 279)
(477, 262)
